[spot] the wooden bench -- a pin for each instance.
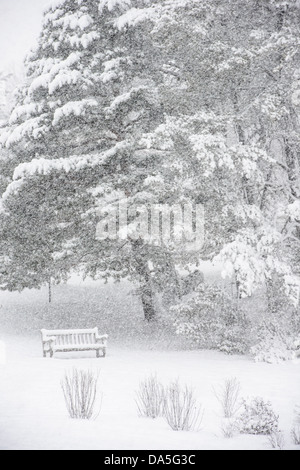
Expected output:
(73, 340)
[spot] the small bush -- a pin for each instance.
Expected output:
(296, 428)
(211, 320)
(229, 428)
(150, 398)
(80, 392)
(180, 408)
(296, 434)
(277, 339)
(229, 397)
(272, 349)
(276, 440)
(258, 417)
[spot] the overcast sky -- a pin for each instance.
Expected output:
(20, 24)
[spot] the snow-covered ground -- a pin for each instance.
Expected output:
(32, 408)
(33, 413)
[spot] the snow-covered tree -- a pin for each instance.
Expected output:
(88, 98)
(157, 102)
(9, 81)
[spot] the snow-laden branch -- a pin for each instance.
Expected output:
(51, 69)
(125, 97)
(134, 16)
(74, 21)
(75, 108)
(33, 127)
(44, 166)
(112, 4)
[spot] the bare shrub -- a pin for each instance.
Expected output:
(297, 414)
(229, 428)
(229, 397)
(180, 408)
(80, 392)
(276, 439)
(296, 435)
(150, 398)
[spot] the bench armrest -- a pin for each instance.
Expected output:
(50, 339)
(102, 339)
(48, 343)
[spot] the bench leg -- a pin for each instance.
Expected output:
(104, 352)
(97, 354)
(44, 354)
(51, 354)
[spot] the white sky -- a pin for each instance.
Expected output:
(20, 24)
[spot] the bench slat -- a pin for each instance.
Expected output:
(71, 331)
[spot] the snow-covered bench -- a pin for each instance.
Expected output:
(73, 340)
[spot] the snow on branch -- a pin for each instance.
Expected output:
(121, 99)
(72, 59)
(73, 21)
(112, 4)
(85, 40)
(12, 189)
(39, 82)
(134, 16)
(77, 108)
(71, 77)
(294, 210)
(50, 77)
(44, 166)
(33, 127)
(111, 70)
(53, 12)
(26, 110)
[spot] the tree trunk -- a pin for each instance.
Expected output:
(293, 175)
(141, 259)
(248, 190)
(50, 291)
(147, 297)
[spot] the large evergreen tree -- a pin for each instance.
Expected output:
(157, 102)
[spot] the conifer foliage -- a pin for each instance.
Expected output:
(156, 102)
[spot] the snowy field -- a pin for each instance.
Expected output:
(32, 409)
(33, 413)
